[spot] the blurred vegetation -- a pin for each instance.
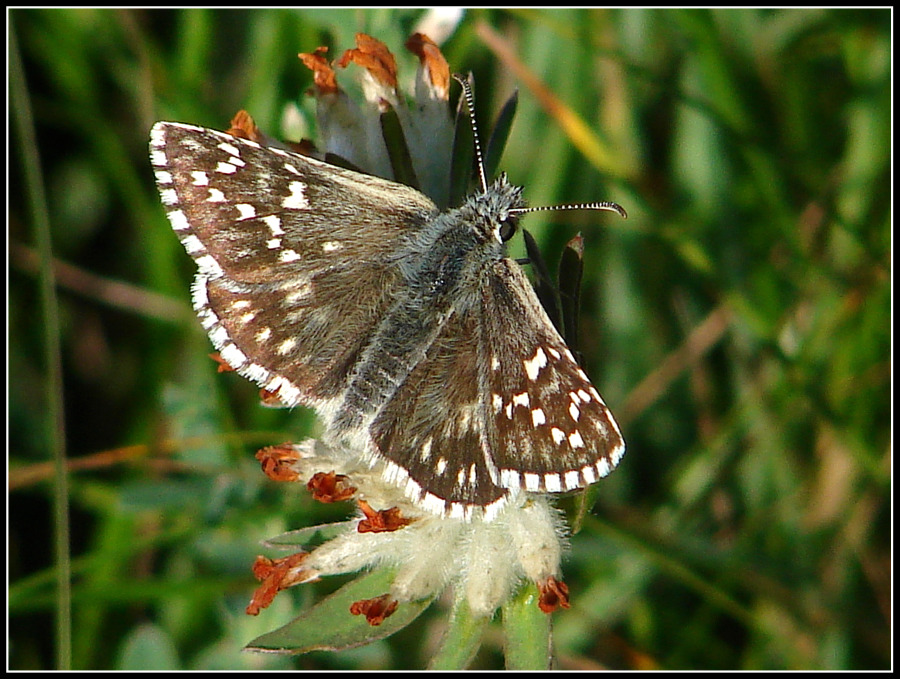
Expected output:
(738, 323)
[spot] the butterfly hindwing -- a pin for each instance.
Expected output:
(434, 426)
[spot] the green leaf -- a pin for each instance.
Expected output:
(329, 625)
(304, 537)
(543, 284)
(398, 151)
(499, 135)
(571, 270)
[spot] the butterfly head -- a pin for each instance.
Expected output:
(498, 208)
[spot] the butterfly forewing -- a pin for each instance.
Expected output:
(294, 255)
(549, 430)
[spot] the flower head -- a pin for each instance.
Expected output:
(363, 135)
(484, 561)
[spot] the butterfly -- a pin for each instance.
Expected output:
(420, 344)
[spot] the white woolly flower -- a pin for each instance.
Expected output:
(483, 561)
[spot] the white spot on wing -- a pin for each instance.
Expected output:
(286, 346)
(246, 210)
(274, 224)
(473, 476)
(535, 363)
(288, 394)
(425, 452)
(521, 399)
(603, 467)
(192, 244)
(178, 220)
(558, 435)
(552, 483)
(158, 135)
(209, 267)
(575, 440)
(229, 149)
(288, 256)
(509, 478)
(232, 355)
(219, 336)
(616, 453)
(297, 200)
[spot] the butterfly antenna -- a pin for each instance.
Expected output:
(605, 205)
(470, 104)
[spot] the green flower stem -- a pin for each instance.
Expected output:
(527, 630)
(461, 640)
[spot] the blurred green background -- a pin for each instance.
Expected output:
(738, 324)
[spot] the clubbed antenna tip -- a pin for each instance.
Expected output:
(605, 205)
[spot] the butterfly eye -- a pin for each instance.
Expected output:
(507, 229)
